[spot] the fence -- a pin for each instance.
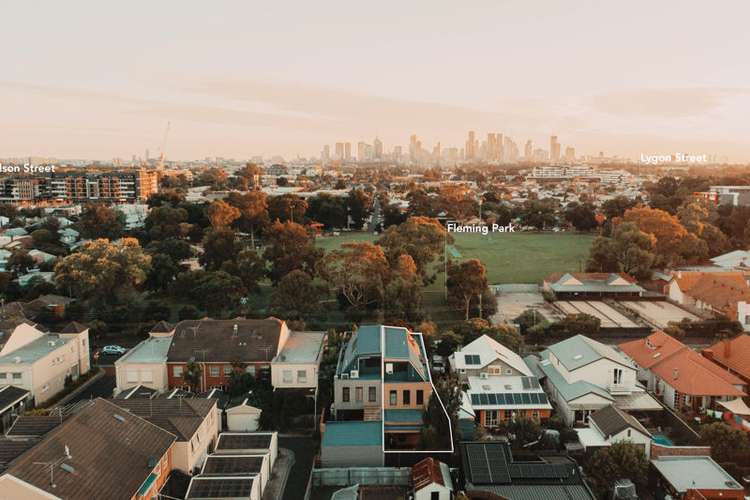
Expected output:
(364, 476)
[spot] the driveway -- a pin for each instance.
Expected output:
(304, 448)
(101, 387)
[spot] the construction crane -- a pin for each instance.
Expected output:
(160, 166)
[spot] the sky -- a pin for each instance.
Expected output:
(97, 80)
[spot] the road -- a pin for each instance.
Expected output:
(101, 387)
(304, 452)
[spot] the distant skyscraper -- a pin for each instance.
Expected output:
(347, 150)
(325, 155)
(378, 144)
(339, 150)
(397, 152)
(554, 149)
(528, 150)
(570, 154)
(413, 145)
(471, 146)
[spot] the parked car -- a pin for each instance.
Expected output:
(113, 350)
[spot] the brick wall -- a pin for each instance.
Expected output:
(658, 450)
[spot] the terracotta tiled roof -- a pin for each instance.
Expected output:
(426, 472)
(721, 291)
(647, 352)
(732, 353)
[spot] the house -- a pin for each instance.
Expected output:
(196, 423)
(352, 444)
(99, 452)
(736, 259)
(382, 374)
(145, 364)
(296, 366)
(680, 376)
(611, 425)
(431, 480)
(692, 478)
(13, 401)
(496, 400)
(583, 375)
(724, 293)
(43, 363)
(733, 354)
(488, 356)
(490, 471)
(567, 286)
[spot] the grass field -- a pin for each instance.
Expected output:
(509, 257)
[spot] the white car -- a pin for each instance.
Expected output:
(113, 349)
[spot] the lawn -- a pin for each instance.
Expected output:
(509, 257)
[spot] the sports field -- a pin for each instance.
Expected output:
(509, 257)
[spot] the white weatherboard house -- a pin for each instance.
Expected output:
(611, 425)
(583, 375)
(486, 355)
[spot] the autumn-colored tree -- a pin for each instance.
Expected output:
(466, 281)
(164, 222)
(403, 292)
(674, 244)
(288, 247)
(99, 221)
(222, 214)
(422, 238)
(253, 207)
(358, 272)
(248, 176)
(219, 246)
(101, 269)
(629, 250)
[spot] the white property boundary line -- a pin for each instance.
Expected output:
(434, 391)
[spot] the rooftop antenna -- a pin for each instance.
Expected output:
(56, 463)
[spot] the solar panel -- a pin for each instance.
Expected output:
(534, 398)
(525, 398)
(498, 464)
(478, 466)
(232, 465)
(244, 441)
(492, 398)
(516, 398)
(475, 399)
(483, 399)
(500, 398)
(471, 359)
(220, 488)
(543, 398)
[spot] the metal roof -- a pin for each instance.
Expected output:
(353, 433)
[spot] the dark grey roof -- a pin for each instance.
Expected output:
(611, 420)
(74, 327)
(181, 417)
(33, 425)
(12, 448)
(538, 492)
(111, 452)
(9, 395)
(243, 441)
(137, 392)
(216, 340)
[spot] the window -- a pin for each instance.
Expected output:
(628, 432)
(132, 375)
(490, 418)
(302, 376)
(345, 394)
(227, 370)
(617, 376)
(3, 376)
(358, 394)
(508, 371)
(287, 377)
(393, 398)
(407, 397)
(535, 415)
(214, 371)
(371, 394)
(251, 370)
(177, 371)
(435, 495)
(420, 397)
(146, 376)
(17, 376)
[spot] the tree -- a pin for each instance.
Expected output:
(253, 207)
(539, 213)
(622, 460)
(19, 261)
(99, 221)
(290, 247)
(219, 246)
(222, 214)
(214, 177)
(403, 293)
(673, 244)
(504, 334)
(725, 441)
(101, 270)
(163, 272)
(629, 250)
(523, 431)
(296, 296)
(581, 216)
(214, 291)
(164, 222)
(448, 390)
(287, 207)
(248, 176)
(359, 204)
(576, 324)
(176, 249)
(358, 272)
(249, 267)
(328, 210)
(422, 238)
(466, 281)
(193, 375)
(171, 197)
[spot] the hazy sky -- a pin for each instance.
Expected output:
(236, 79)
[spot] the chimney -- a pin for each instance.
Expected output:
(727, 348)
(675, 374)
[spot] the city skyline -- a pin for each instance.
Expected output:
(253, 81)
